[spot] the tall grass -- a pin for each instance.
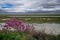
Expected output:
(11, 35)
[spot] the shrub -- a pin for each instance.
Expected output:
(18, 25)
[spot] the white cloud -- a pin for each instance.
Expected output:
(27, 5)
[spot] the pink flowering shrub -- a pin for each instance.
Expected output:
(18, 25)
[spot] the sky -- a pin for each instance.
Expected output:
(29, 5)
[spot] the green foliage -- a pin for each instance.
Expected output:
(13, 36)
(27, 36)
(58, 37)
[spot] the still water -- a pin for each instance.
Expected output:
(49, 28)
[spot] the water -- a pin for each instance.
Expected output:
(49, 28)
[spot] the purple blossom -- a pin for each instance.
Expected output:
(19, 25)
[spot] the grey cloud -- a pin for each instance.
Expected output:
(33, 5)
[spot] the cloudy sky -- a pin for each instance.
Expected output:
(29, 5)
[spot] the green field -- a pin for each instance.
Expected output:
(30, 19)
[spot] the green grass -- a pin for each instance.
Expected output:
(26, 36)
(33, 19)
(13, 36)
